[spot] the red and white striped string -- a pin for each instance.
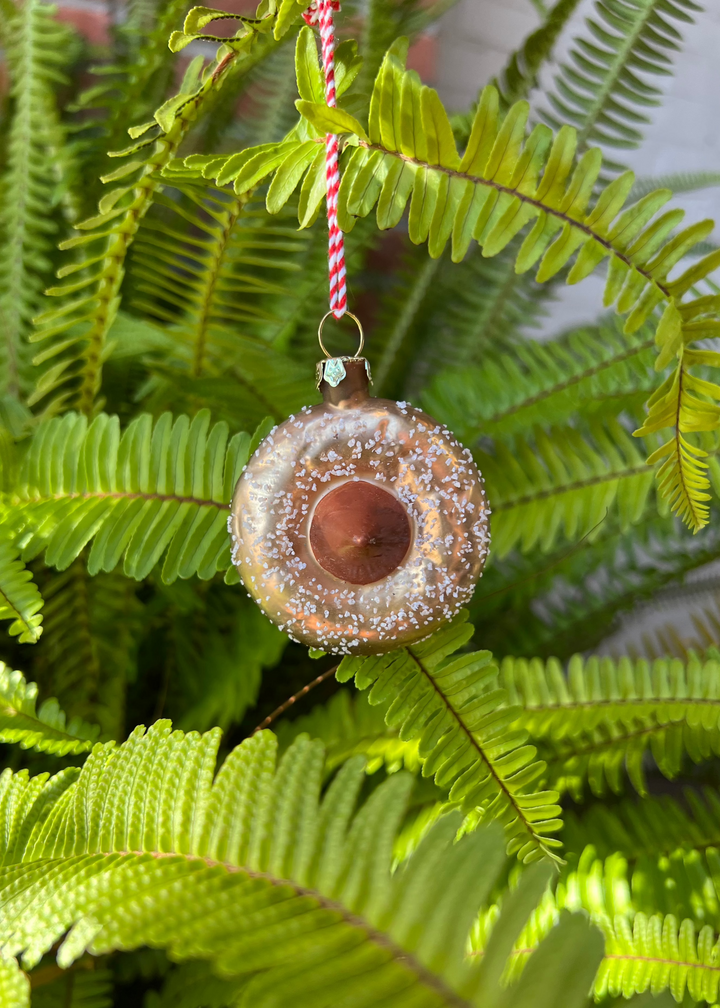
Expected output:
(320, 12)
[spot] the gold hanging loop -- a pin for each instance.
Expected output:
(355, 319)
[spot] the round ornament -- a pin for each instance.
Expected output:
(359, 524)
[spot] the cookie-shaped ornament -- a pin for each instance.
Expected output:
(361, 524)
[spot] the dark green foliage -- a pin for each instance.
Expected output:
(399, 853)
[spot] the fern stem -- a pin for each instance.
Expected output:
(295, 697)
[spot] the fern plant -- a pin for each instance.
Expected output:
(480, 818)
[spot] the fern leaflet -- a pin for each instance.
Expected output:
(20, 599)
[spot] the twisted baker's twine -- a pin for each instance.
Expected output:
(320, 12)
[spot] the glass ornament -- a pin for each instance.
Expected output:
(359, 524)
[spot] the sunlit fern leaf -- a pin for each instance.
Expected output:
(282, 881)
(656, 953)
(160, 490)
(643, 951)
(37, 47)
(76, 331)
(14, 985)
(655, 853)
(78, 988)
(455, 707)
(20, 600)
(599, 91)
(605, 715)
(347, 725)
(561, 482)
(46, 729)
(589, 370)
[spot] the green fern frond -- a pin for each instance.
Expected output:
(37, 50)
(255, 382)
(128, 90)
(456, 709)
(605, 715)
(14, 985)
(400, 314)
(684, 402)
(656, 953)
(570, 600)
(44, 730)
(658, 826)
(599, 91)
(587, 371)
(158, 490)
(217, 644)
(20, 599)
(297, 893)
(444, 313)
(349, 725)
(562, 482)
(652, 856)
(643, 951)
(488, 306)
(77, 331)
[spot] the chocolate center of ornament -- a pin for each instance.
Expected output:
(359, 533)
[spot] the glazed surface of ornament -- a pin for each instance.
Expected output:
(360, 524)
